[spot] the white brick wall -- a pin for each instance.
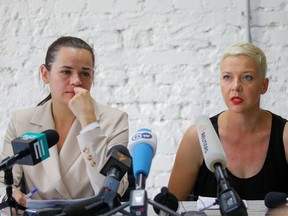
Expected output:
(156, 59)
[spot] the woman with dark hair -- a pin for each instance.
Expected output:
(87, 129)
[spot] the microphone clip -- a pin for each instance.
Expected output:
(108, 192)
(138, 202)
(230, 203)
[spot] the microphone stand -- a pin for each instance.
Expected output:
(6, 166)
(138, 201)
(152, 202)
(109, 196)
(107, 201)
(228, 199)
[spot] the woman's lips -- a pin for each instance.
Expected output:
(71, 93)
(236, 100)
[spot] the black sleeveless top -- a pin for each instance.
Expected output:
(272, 177)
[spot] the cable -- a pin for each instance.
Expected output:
(203, 204)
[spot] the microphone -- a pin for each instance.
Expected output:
(215, 160)
(210, 144)
(30, 148)
(275, 199)
(34, 147)
(213, 153)
(142, 147)
(167, 199)
(117, 164)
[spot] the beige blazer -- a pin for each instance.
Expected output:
(74, 171)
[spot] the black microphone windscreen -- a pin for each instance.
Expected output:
(275, 199)
(117, 157)
(52, 137)
(167, 199)
(164, 190)
(120, 148)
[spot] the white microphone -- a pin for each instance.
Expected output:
(215, 160)
(210, 144)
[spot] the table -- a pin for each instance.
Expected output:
(255, 208)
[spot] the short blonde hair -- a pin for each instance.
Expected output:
(250, 50)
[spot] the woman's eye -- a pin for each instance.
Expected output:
(226, 77)
(248, 77)
(67, 72)
(86, 73)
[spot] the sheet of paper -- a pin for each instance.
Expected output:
(38, 204)
(206, 203)
(209, 203)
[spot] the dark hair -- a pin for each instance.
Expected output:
(65, 41)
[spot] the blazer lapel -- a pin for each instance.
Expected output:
(51, 164)
(70, 151)
(52, 168)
